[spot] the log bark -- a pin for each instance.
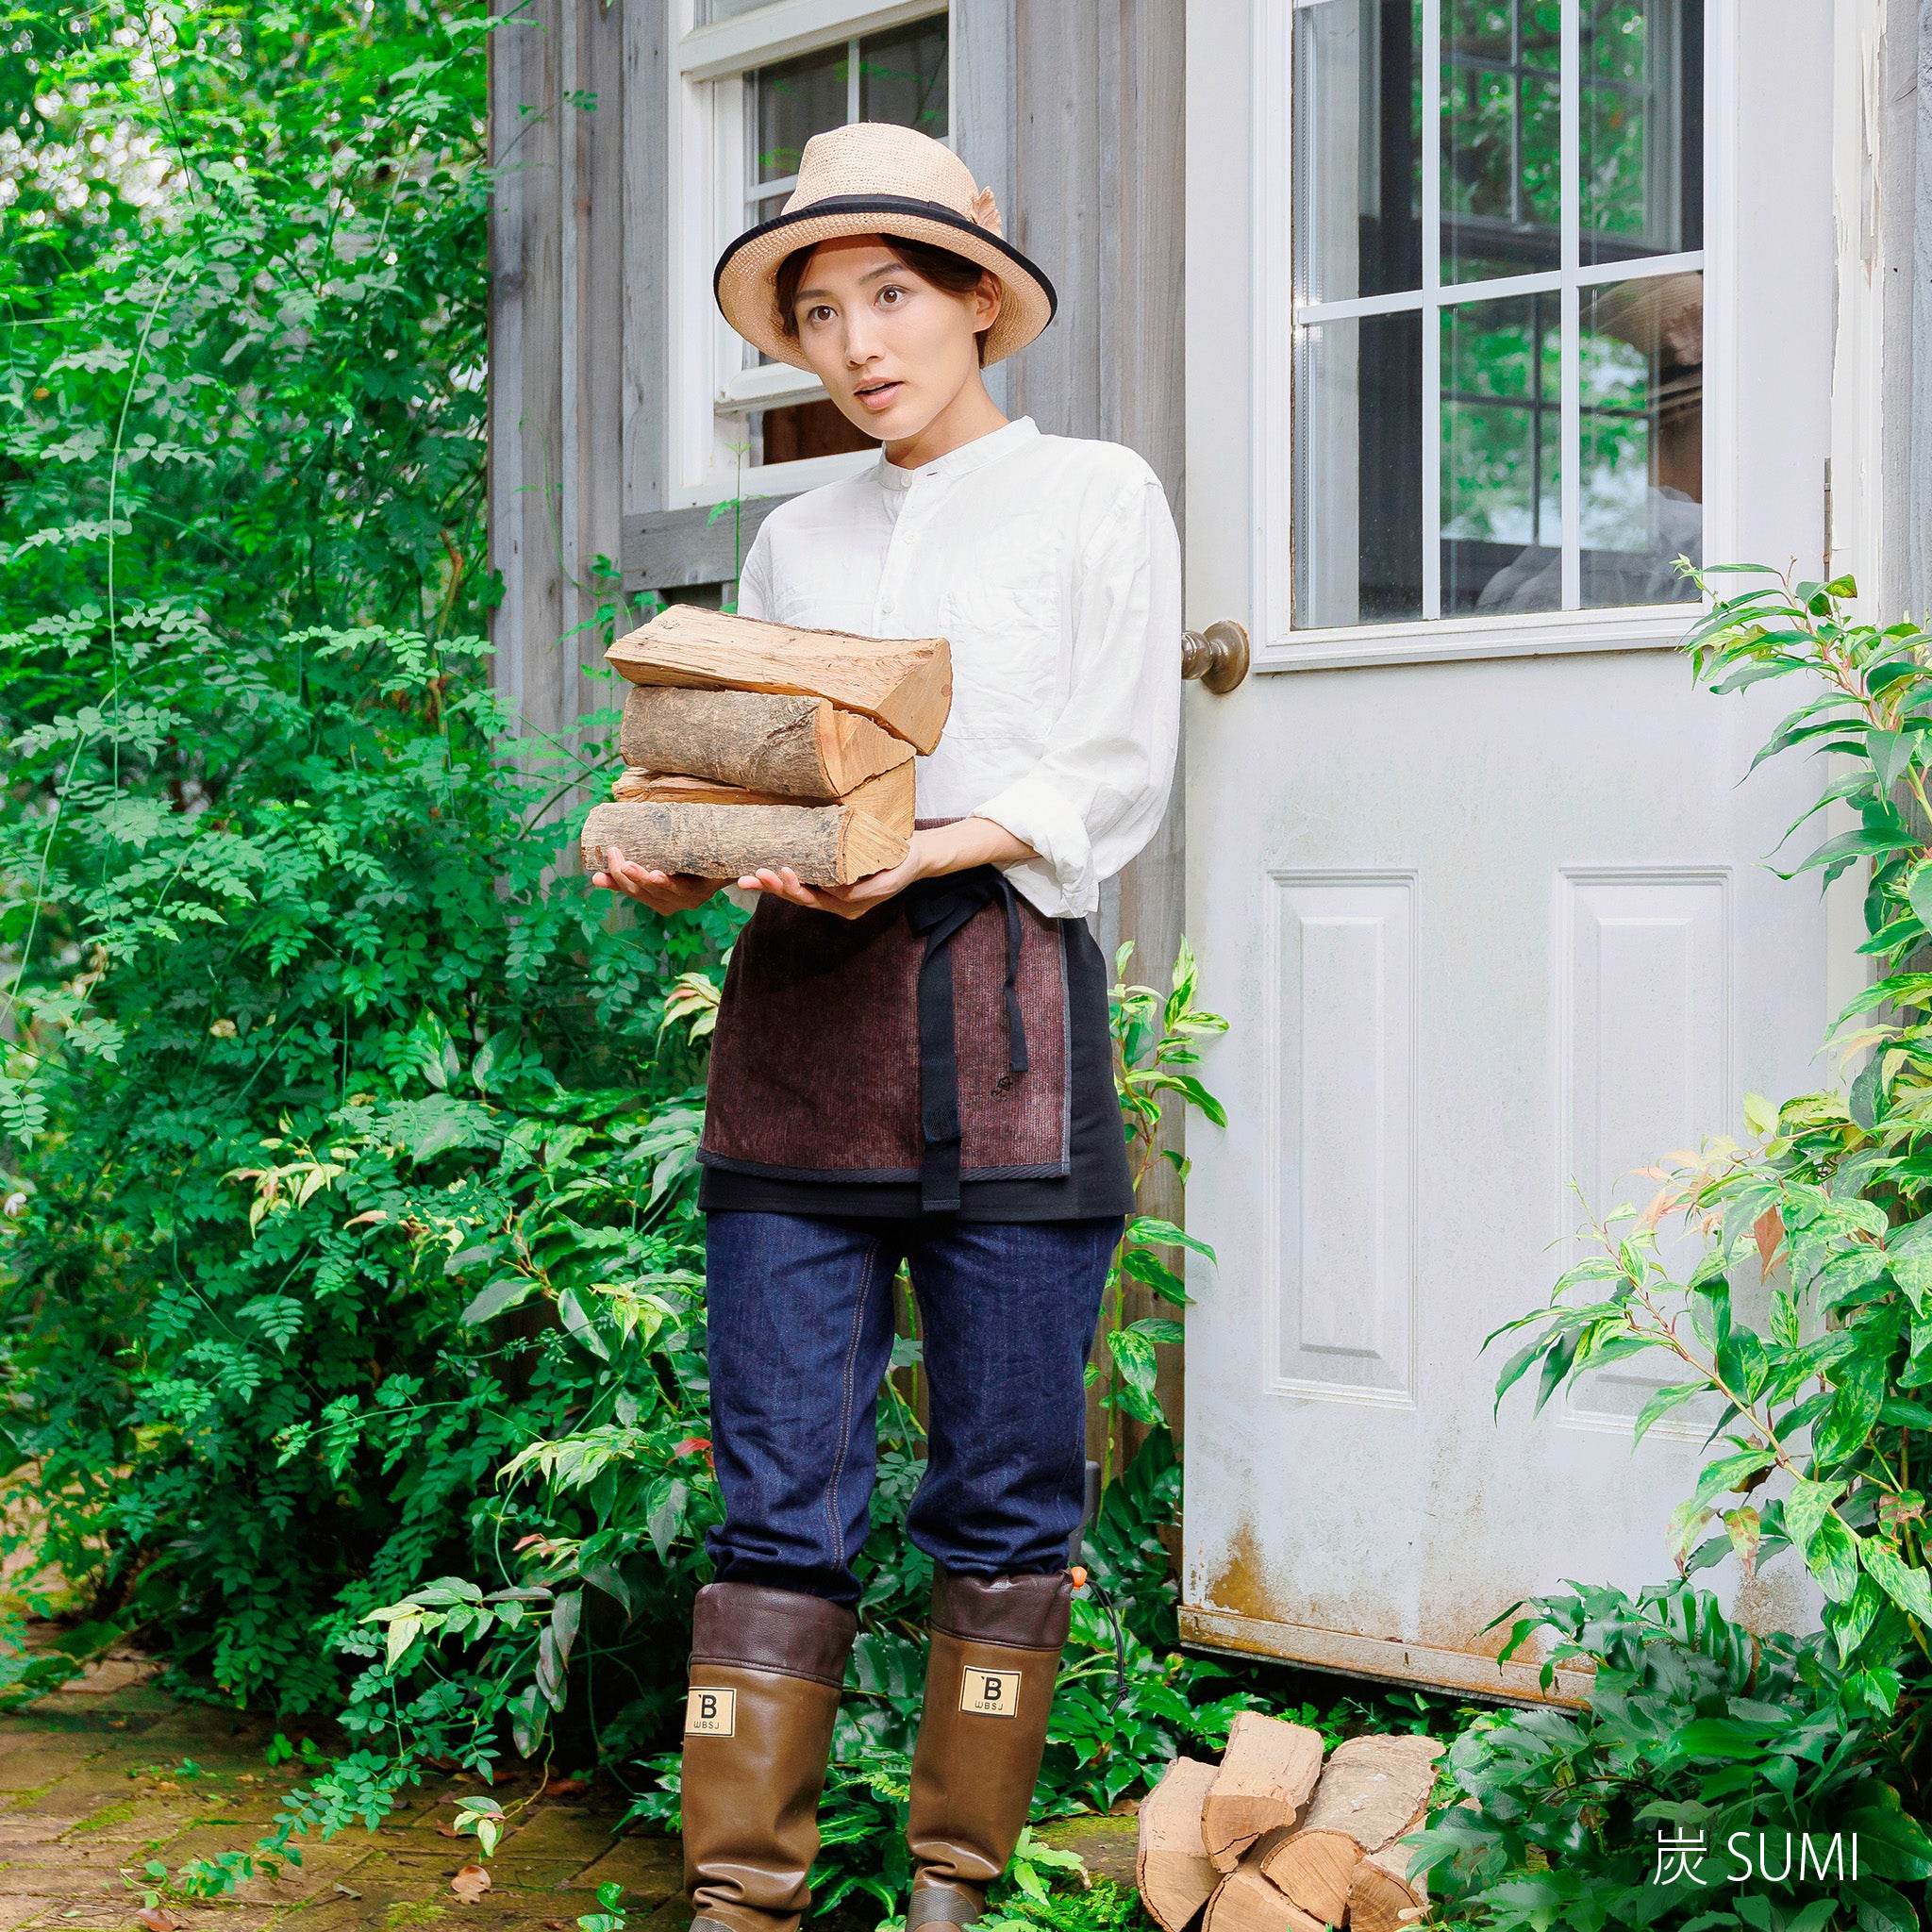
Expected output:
(889, 798)
(825, 844)
(1264, 1782)
(1175, 1875)
(1381, 1898)
(904, 684)
(796, 748)
(1371, 1790)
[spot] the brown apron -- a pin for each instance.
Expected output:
(927, 1041)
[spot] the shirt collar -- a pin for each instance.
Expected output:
(958, 462)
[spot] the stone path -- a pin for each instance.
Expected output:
(97, 1780)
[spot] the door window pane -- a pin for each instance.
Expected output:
(1357, 416)
(1501, 166)
(902, 76)
(1358, 168)
(1458, 456)
(1642, 471)
(1642, 129)
(1502, 443)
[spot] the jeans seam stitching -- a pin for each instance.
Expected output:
(834, 1531)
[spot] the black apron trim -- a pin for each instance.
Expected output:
(939, 907)
(1039, 1171)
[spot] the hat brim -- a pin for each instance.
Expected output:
(745, 280)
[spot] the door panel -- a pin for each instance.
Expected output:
(1485, 906)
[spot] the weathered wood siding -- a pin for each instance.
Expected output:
(558, 372)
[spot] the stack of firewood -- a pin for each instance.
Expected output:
(749, 744)
(1273, 1839)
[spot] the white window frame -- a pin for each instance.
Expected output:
(708, 389)
(1275, 317)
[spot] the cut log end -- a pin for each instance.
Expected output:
(1311, 1869)
(1380, 1897)
(1173, 1870)
(1247, 1902)
(1264, 1783)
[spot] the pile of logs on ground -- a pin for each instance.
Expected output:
(1273, 1839)
(749, 744)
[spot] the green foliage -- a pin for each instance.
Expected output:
(1802, 1340)
(1156, 1039)
(309, 1056)
(1697, 1733)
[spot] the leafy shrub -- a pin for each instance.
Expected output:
(301, 1019)
(1820, 1428)
(1703, 1787)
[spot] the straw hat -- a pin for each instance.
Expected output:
(874, 179)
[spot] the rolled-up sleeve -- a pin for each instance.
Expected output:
(1097, 791)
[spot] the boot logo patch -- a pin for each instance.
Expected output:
(710, 1713)
(991, 1693)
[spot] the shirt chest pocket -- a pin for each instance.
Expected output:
(1006, 631)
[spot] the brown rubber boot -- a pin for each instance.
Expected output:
(989, 1686)
(766, 1669)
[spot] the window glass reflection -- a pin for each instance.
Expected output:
(1642, 472)
(1502, 444)
(902, 76)
(1358, 541)
(1502, 176)
(1357, 170)
(1642, 129)
(795, 100)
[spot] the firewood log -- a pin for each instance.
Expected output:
(824, 845)
(888, 797)
(904, 684)
(1266, 1775)
(797, 748)
(1248, 1900)
(1175, 1875)
(1370, 1791)
(1381, 1897)
(1311, 1869)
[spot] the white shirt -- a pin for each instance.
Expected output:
(1052, 568)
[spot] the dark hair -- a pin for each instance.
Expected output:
(939, 266)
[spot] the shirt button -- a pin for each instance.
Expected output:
(886, 604)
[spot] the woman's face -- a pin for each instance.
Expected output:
(892, 350)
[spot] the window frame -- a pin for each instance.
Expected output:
(1276, 317)
(706, 195)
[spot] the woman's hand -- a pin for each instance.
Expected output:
(848, 902)
(941, 849)
(662, 891)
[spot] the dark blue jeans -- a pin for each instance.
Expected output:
(800, 1312)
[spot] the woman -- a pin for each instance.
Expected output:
(916, 1067)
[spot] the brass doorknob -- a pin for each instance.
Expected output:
(1217, 655)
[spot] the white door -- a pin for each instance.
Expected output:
(1495, 307)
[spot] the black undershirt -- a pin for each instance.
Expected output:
(1096, 1182)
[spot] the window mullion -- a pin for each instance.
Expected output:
(1431, 82)
(1569, 137)
(852, 101)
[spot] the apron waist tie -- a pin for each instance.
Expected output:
(939, 907)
